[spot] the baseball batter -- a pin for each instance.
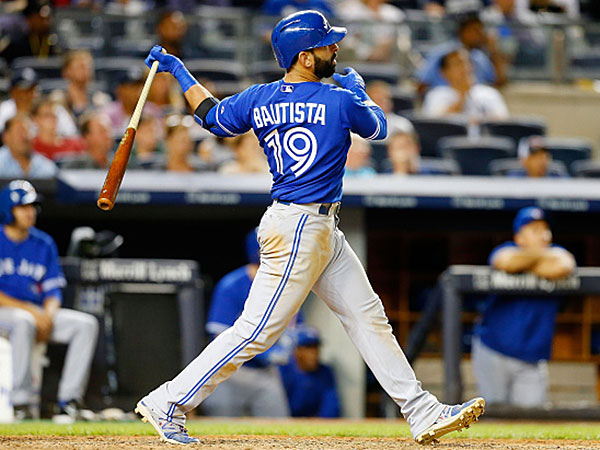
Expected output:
(304, 127)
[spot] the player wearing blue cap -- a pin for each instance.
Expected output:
(256, 388)
(513, 340)
(309, 384)
(304, 127)
(30, 297)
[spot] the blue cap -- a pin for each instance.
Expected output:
(526, 216)
(307, 336)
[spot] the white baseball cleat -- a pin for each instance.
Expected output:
(168, 431)
(452, 418)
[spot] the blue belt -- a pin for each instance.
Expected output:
(324, 209)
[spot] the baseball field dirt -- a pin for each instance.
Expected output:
(282, 443)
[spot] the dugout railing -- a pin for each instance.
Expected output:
(459, 280)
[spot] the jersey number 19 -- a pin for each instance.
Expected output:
(299, 143)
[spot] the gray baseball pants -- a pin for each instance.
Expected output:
(77, 329)
(302, 250)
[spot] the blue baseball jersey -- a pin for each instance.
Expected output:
(30, 270)
(310, 394)
(304, 129)
(518, 326)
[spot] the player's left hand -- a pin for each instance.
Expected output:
(166, 62)
(351, 80)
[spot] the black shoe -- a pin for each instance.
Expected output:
(23, 412)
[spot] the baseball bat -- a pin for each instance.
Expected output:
(116, 171)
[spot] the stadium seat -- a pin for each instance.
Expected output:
(515, 128)
(587, 169)
(429, 166)
(402, 100)
(216, 69)
(379, 155)
(430, 131)
(110, 69)
(502, 167)
(266, 71)
(50, 67)
(569, 150)
(474, 155)
(387, 72)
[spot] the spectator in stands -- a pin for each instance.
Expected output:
(283, 8)
(248, 154)
(513, 338)
(22, 93)
(403, 151)
(35, 37)
(127, 93)
(381, 93)
(489, 65)
(78, 72)
(256, 388)
(47, 141)
(30, 305)
(309, 384)
(95, 130)
(166, 96)
(535, 159)
(17, 158)
(148, 151)
(171, 29)
(375, 40)
(463, 95)
(179, 146)
(358, 162)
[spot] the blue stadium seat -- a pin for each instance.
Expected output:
(403, 101)
(586, 169)
(50, 67)
(216, 69)
(515, 128)
(474, 155)
(501, 167)
(430, 131)
(569, 150)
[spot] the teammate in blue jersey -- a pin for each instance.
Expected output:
(309, 384)
(256, 388)
(304, 127)
(30, 297)
(513, 339)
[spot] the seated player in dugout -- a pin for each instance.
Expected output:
(30, 306)
(309, 384)
(513, 338)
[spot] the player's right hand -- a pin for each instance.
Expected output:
(166, 62)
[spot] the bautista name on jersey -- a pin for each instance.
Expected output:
(304, 129)
(280, 113)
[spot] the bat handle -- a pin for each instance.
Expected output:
(137, 113)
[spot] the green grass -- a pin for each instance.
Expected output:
(490, 429)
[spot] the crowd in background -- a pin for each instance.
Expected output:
(78, 124)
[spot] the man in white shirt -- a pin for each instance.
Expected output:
(462, 95)
(17, 158)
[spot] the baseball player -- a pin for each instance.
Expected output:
(30, 296)
(304, 127)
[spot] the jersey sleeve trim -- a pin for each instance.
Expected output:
(53, 283)
(376, 133)
(221, 125)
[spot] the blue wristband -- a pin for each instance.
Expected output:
(185, 78)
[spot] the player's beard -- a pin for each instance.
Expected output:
(324, 68)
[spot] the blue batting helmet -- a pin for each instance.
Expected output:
(18, 192)
(302, 31)
(252, 247)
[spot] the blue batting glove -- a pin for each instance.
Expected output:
(166, 62)
(173, 65)
(352, 80)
